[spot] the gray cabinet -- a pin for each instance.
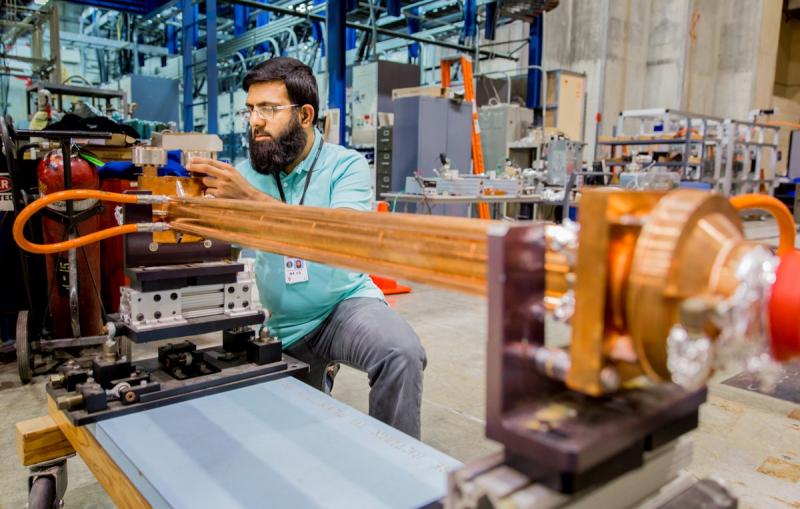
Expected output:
(425, 127)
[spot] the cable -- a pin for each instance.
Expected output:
(786, 226)
(82, 194)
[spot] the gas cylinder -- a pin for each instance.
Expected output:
(88, 320)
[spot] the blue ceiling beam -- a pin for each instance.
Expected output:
(263, 19)
(413, 26)
(393, 7)
(491, 21)
(535, 58)
(241, 15)
(336, 17)
(470, 21)
(187, 20)
(212, 71)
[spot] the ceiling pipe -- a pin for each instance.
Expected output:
(360, 26)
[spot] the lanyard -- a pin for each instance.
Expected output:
(308, 177)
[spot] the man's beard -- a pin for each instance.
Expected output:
(268, 157)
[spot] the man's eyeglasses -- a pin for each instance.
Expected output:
(264, 112)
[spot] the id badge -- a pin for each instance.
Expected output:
(295, 270)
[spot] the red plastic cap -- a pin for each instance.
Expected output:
(784, 309)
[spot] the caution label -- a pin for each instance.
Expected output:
(6, 200)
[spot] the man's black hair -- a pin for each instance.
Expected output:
(297, 76)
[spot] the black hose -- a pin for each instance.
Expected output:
(43, 493)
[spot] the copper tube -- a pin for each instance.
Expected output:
(786, 227)
(72, 194)
(443, 251)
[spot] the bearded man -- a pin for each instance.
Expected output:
(323, 315)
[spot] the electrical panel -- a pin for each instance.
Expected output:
(501, 125)
(371, 96)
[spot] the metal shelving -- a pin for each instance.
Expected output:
(60, 90)
(693, 133)
(722, 144)
(756, 147)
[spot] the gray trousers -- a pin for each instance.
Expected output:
(368, 335)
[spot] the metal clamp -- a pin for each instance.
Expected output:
(152, 227)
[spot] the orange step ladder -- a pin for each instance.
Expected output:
(469, 96)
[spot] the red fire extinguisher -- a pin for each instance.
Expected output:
(73, 277)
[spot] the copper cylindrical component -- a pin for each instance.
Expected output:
(444, 251)
(449, 252)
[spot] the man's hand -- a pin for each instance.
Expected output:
(224, 181)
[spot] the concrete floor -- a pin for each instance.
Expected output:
(751, 441)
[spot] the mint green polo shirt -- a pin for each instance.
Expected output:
(341, 179)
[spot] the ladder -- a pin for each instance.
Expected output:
(469, 96)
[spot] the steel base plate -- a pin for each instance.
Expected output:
(233, 374)
(192, 327)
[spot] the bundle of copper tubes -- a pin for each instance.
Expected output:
(644, 281)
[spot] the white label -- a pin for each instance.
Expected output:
(295, 270)
(77, 205)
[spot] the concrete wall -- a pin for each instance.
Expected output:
(787, 110)
(575, 39)
(787, 73)
(704, 56)
(787, 81)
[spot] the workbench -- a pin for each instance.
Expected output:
(275, 444)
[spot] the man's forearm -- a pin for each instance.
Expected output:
(256, 195)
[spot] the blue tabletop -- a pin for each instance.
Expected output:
(276, 444)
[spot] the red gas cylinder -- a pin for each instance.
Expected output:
(784, 308)
(51, 180)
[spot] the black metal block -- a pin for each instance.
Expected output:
(94, 397)
(73, 375)
(235, 340)
(183, 361)
(105, 371)
(169, 354)
(263, 352)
